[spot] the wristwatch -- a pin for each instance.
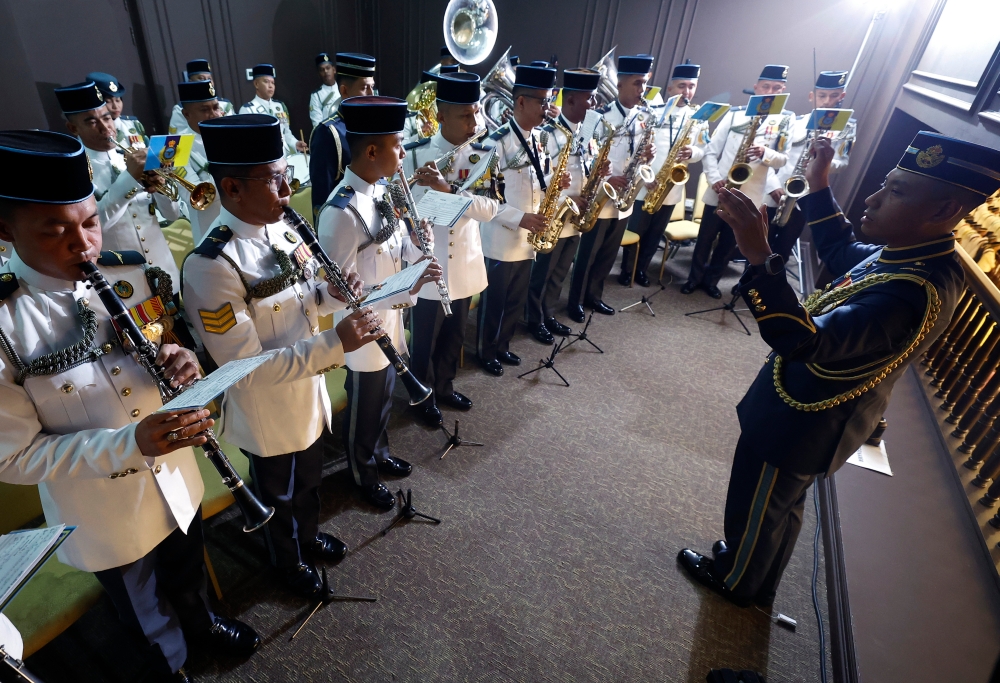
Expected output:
(772, 265)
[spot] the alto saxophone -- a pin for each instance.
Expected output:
(637, 172)
(598, 191)
(741, 171)
(671, 173)
(551, 207)
(796, 186)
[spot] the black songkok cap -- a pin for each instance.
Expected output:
(427, 77)
(461, 88)
(322, 58)
(638, 64)
(44, 154)
(263, 70)
(953, 161)
(448, 69)
(198, 66)
(445, 52)
(355, 64)
(831, 80)
(586, 80)
(196, 91)
(687, 71)
(74, 99)
(374, 115)
(540, 77)
(774, 72)
(244, 139)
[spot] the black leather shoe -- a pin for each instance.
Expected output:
(493, 367)
(379, 496)
(688, 287)
(542, 334)
(509, 358)
(624, 279)
(394, 467)
(556, 327)
(326, 547)
(431, 415)
(455, 400)
(303, 580)
(700, 569)
(735, 290)
(232, 637)
(602, 308)
(642, 279)
(713, 291)
(718, 548)
(576, 313)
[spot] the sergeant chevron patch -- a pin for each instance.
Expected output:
(220, 321)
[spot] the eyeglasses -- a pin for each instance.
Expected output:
(546, 101)
(273, 182)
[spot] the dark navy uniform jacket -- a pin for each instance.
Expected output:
(833, 381)
(328, 157)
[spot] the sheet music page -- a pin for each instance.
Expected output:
(20, 553)
(398, 283)
(204, 390)
(442, 208)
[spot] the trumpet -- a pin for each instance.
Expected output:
(448, 156)
(255, 513)
(201, 195)
(741, 171)
(417, 391)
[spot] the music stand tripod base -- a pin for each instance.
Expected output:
(645, 300)
(549, 362)
(407, 511)
(328, 597)
(731, 308)
(582, 336)
(455, 441)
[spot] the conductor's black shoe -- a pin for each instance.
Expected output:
(455, 400)
(492, 366)
(326, 547)
(688, 287)
(713, 291)
(303, 580)
(232, 637)
(718, 548)
(602, 308)
(431, 415)
(509, 358)
(556, 327)
(642, 279)
(735, 290)
(379, 496)
(542, 334)
(394, 467)
(575, 313)
(700, 568)
(624, 279)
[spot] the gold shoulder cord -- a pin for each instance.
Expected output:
(827, 301)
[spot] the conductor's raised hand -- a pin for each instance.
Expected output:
(749, 224)
(818, 170)
(358, 329)
(153, 433)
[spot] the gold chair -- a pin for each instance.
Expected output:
(301, 201)
(628, 239)
(680, 230)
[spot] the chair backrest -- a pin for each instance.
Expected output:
(179, 239)
(301, 201)
(699, 201)
(678, 213)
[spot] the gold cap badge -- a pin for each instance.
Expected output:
(112, 87)
(99, 95)
(784, 73)
(930, 157)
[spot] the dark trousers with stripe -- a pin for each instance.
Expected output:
(437, 343)
(163, 594)
(548, 275)
(595, 259)
(289, 483)
(707, 265)
(501, 305)
(650, 229)
(369, 401)
(763, 518)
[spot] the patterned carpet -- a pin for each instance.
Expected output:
(556, 557)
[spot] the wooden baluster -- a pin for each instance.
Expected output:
(987, 473)
(977, 396)
(972, 357)
(956, 350)
(961, 324)
(981, 426)
(960, 309)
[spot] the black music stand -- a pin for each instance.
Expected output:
(550, 362)
(407, 511)
(645, 300)
(582, 336)
(730, 307)
(455, 441)
(328, 597)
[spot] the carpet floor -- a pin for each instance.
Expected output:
(555, 560)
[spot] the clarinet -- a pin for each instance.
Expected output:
(255, 513)
(13, 670)
(402, 199)
(417, 391)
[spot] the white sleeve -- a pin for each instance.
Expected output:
(482, 209)
(171, 211)
(113, 205)
(315, 109)
(714, 149)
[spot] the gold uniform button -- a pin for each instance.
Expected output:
(135, 413)
(135, 216)
(379, 250)
(145, 251)
(156, 470)
(113, 475)
(307, 311)
(451, 244)
(760, 309)
(451, 232)
(2, 248)
(106, 348)
(142, 239)
(116, 371)
(314, 329)
(277, 307)
(301, 295)
(86, 302)
(126, 391)
(149, 262)
(450, 256)
(68, 388)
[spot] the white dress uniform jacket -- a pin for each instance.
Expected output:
(665, 137)
(129, 131)
(342, 235)
(179, 124)
(73, 433)
(6, 251)
(794, 149)
(323, 102)
(773, 135)
(128, 213)
(196, 171)
(553, 140)
(277, 109)
(459, 249)
(285, 409)
(503, 239)
(625, 145)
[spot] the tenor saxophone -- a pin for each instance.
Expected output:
(552, 207)
(741, 171)
(598, 191)
(637, 172)
(671, 173)
(796, 186)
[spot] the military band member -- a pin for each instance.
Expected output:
(835, 359)
(548, 273)
(323, 102)
(330, 152)
(253, 284)
(767, 151)
(198, 103)
(86, 430)
(437, 339)
(126, 197)
(683, 82)
(523, 164)
(128, 129)
(360, 231)
(447, 60)
(264, 103)
(197, 70)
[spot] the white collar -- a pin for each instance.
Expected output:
(258, 98)
(358, 184)
(39, 281)
(525, 133)
(240, 227)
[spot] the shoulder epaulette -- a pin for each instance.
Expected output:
(247, 104)
(500, 132)
(342, 198)
(278, 101)
(416, 143)
(604, 110)
(333, 118)
(410, 114)
(214, 242)
(480, 147)
(8, 285)
(120, 258)
(129, 118)
(223, 99)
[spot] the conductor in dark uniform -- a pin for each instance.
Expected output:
(835, 358)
